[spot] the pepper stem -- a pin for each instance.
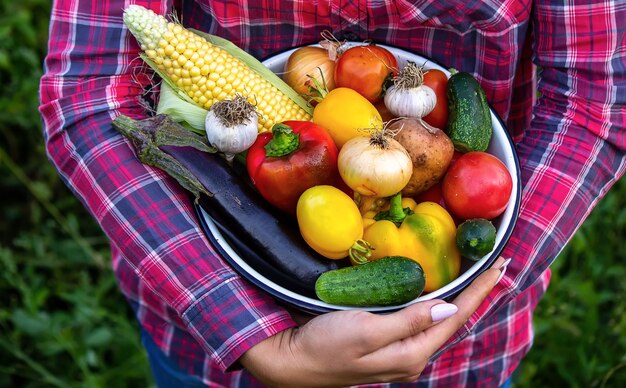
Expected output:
(360, 252)
(318, 90)
(284, 141)
(396, 212)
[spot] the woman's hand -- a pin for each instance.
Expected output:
(356, 347)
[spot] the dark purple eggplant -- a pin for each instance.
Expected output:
(267, 240)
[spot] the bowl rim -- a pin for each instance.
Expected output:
(316, 306)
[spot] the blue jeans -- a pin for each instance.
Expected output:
(166, 373)
(507, 383)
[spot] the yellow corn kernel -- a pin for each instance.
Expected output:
(181, 60)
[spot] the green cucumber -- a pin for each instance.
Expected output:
(475, 238)
(469, 120)
(391, 280)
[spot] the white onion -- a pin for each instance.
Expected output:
(376, 166)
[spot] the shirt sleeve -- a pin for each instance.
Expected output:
(574, 150)
(92, 74)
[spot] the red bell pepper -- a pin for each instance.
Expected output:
(295, 156)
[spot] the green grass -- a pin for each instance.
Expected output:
(581, 322)
(63, 321)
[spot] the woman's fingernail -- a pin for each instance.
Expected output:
(503, 268)
(498, 263)
(505, 264)
(442, 311)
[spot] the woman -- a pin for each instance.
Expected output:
(203, 323)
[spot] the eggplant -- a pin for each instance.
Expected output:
(266, 239)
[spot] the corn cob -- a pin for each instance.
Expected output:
(205, 72)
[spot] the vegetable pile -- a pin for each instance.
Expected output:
(382, 171)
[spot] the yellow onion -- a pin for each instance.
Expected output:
(377, 166)
(307, 62)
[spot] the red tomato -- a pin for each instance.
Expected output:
(365, 69)
(455, 156)
(295, 156)
(385, 114)
(433, 194)
(477, 185)
(437, 80)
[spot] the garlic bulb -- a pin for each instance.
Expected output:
(408, 96)
(232, 126)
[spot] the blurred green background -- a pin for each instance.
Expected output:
(64, 323)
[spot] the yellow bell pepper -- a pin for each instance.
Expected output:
(424, 232)
(343, 112)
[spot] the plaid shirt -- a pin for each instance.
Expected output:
(194, 306)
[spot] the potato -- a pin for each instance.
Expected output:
(431, 151)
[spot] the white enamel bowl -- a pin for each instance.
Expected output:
(501, 146)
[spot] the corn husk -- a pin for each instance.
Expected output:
(181, 110)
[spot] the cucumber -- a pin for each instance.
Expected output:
(469, 120)
(391, 280)
(475, 238)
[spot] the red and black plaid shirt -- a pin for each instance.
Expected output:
(194, 306)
